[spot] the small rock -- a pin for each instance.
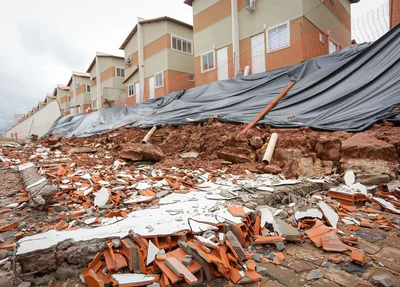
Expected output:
(280, 246)
(256, 257)
(24, 284)
(315, 274)
(187, 260)
(383, 280)
(116, 243)
(3, 254)
(256, 142)
(261, 270)
(273, 169)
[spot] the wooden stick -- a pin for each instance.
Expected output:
(270, 149)
(149, 134)
(268, 108)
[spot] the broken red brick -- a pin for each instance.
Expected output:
(358, 257)
(9, 227)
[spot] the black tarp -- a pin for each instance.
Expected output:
(348, 90)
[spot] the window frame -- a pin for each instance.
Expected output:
(287, 23)
(116, 72)
(321, 37)
(182, 39)
(162, 80)
(133, 89)
(90, 88)
(202, 64)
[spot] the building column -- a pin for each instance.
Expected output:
(235, 37)
(98, 84)
(140, 60)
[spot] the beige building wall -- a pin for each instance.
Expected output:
(327, 21)
(268, 15)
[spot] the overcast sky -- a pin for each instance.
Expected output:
(42, 41)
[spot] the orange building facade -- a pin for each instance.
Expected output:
(230, 35)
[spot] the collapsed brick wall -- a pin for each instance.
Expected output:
(299, 152)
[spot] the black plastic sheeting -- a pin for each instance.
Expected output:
(348, 90)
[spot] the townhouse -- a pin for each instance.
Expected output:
(230, 35)
(61, 93)
(159, 59)
(79, 93)
(107, 72)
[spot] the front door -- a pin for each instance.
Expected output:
(222, 62)
(151, 87)
(258, 54)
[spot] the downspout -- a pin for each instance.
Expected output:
(141, 60)
(98, 84)
(235, 37)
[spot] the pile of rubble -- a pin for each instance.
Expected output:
(112, 218)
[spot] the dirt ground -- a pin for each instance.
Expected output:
(300, 153)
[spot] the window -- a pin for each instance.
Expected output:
(191, 78)
(181, 45)
(321, 37)
(131, 90)
(278, 37)
(94, 104)
(208, 61)
(120, 72)
(332, 47)
(159, 77)
(87, 88)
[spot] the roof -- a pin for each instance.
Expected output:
(99, 54)
(131, 74)
(78, 74)
(63, 87)
(160, 19)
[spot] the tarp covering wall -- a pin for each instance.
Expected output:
(39, 123)
(349, 90)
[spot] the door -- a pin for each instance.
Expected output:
(222, 61)
(258, 54)
(151, 87)
(137, 90)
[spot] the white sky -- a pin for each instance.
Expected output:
(42, 41)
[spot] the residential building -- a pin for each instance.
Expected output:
(264, 34)
(107, 72)
(61, 93)
(159, 59)
(394, 6)
(79, 93)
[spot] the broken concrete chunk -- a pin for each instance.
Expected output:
(152, 252)
(101, 197)
(384, 280)
(238, 248)
(349, 178)
(286, 230)
(187, 260)
(129, 279)
(330, 215)
(311, 213)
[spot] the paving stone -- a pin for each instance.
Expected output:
(298, 265)
(315, 274)
(370, 236)
(368, 247)
(282, 275)
(354, 268)
(383, 280)
(390, 253)
(342, 278)
(324, 283)
(388, 264)
(272, 283)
